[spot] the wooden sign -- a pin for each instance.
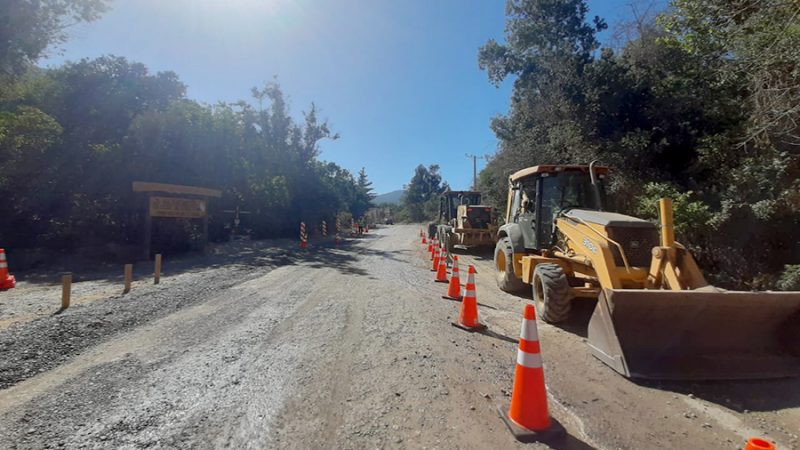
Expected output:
(187, 208)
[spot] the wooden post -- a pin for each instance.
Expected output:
(157, 277)
(66, 290)
(147, 232)
(128, 277)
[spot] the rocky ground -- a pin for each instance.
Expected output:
(261, 345)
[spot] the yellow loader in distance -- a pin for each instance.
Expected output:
(656, 316)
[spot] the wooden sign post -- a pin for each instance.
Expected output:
(173, 201)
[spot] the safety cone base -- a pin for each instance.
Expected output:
(555, 432)
(480, 327)
(441, 281)
(8, 283)
(455, 299)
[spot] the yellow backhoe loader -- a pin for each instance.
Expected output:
(656, 316)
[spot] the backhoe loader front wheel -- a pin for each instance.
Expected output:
(504, 266)
(551, 293)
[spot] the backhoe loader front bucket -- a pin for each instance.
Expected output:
(697, 334)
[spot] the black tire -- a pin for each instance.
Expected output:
(504, 266)
(551, 293)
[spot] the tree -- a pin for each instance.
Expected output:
(695, 106)
(752, 43)
(364, 195)
(421, 198)
(27, 28)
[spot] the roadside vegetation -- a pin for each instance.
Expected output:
(699, 103)
(73, 138)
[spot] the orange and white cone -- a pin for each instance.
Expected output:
(436, 258)
(468, 318)
(430, 246)
(422, 235)
(441, 271)
(454, 288)
(7, 281)
(303, 235)
(528, 417)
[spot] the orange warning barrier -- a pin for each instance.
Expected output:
(528, 417)
(759, 444)
(7, 281)
(454, 288)
(441, 271)
(468, 317)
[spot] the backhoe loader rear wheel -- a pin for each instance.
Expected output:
(504, 266)
(551, 293)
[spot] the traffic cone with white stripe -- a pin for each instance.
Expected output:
(441, 271)
(430, 246)
(527, 417)
(303, 236)
(468, 318)
(422, 235)
(454, 288)
(7, 281)
(436, 258)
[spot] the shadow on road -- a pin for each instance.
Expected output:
(499, 336)
(244, 253)
(740, 396)
(569, 442)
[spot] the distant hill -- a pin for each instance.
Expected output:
(389, 197)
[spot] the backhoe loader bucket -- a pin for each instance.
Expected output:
(697, 335)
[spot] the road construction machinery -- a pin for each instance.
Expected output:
(463, 221)
(656, 316)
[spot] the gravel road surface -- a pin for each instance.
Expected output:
(266, 346)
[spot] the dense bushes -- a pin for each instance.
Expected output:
(704, 117)
(74, 138)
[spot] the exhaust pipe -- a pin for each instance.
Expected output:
(595, 187)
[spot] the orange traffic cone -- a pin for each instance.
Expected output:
(468, 318)
(7, 281)
(454, 288)
(430, 246)
(424, 241)
(441, 272)
(759, 444)
(436, 258)
(528, 417)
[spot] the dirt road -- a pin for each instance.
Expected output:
(337, 347)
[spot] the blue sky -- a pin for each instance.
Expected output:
(399, 80)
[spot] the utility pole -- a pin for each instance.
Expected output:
(474, 170)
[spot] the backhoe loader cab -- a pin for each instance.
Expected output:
(656, 316)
